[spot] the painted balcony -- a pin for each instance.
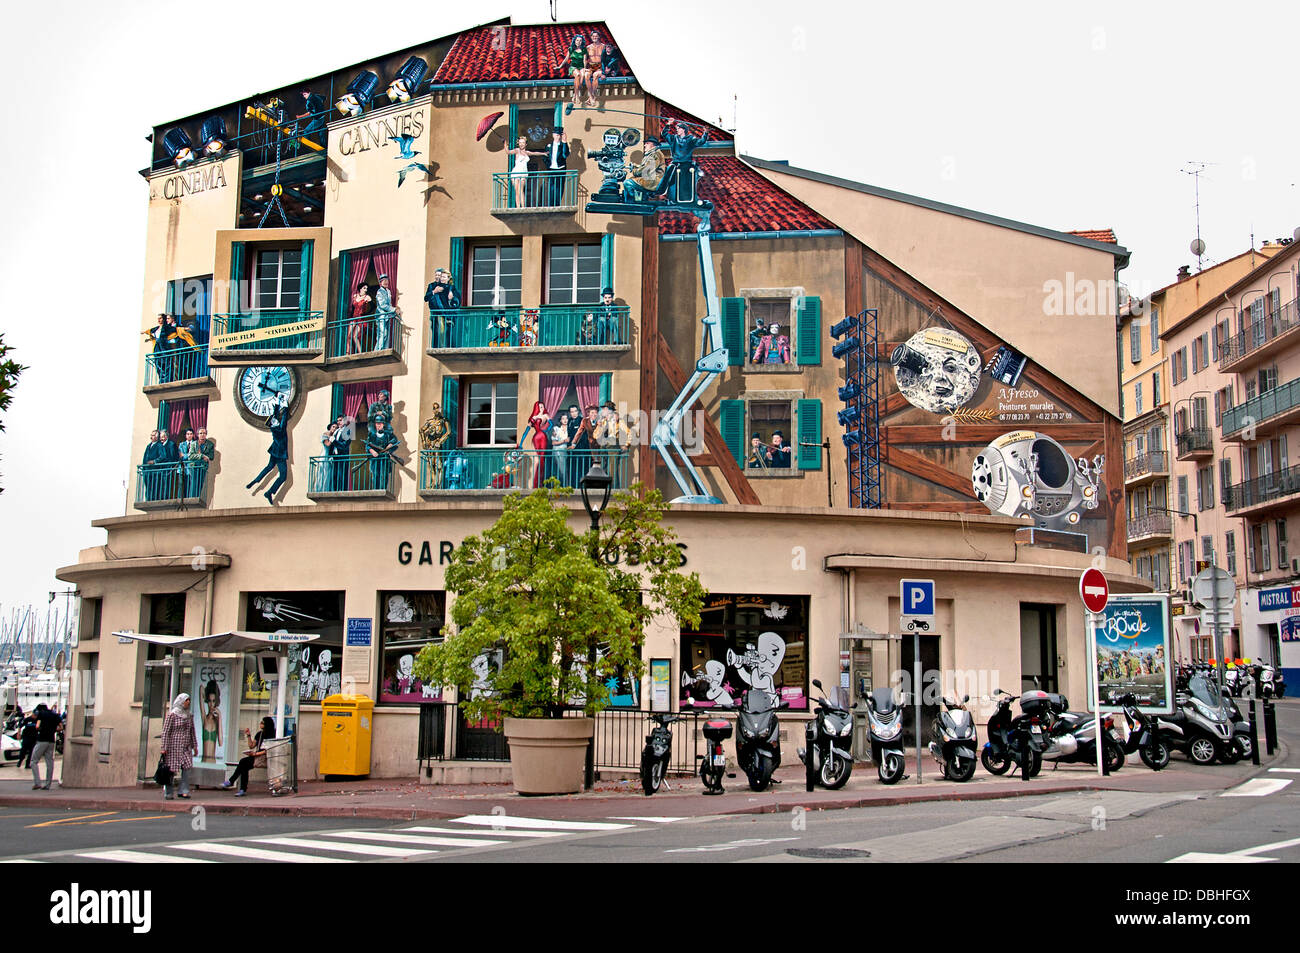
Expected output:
(167, 486)
(1267, 412)
(177, 368)
(1149, 527)
(534, 193)
(267, 335)
(356, 476)
(1194, 443)
(367, 339)
(1146, 466)
(471, 470)
(1264, 337)
(1260, 495)
(551, 329)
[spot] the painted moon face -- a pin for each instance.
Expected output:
(937, 370)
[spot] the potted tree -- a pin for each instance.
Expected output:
(566, 612)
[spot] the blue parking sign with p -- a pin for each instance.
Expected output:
(917, 597)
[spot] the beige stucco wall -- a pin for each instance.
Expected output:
(993, 273)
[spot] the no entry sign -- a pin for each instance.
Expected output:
(1094, 590)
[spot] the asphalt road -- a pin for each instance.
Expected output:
(1255, 821)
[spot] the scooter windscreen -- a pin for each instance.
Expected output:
(882, 701)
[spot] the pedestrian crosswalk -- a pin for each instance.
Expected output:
(348, 846)
(1258, 787)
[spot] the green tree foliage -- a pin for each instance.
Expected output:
(529, 586)
(9, 371)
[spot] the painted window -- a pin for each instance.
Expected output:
(491, 409)
(278, 278)
(496, 276)
(573, 273)
(408, 621)
(767, 436)
(319, 613)
(744, 642)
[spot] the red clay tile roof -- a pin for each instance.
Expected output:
(525, 53)
(711, 132)
(744, 201)
(1096, 235)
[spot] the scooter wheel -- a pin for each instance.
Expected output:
(993, 764)
(652, 774)
(1202, 750)
(835, 772)
(1155, 756)
(1244, 744)
(962, 770)
(891, 769)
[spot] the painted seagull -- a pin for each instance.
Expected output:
(403, 173)
(404, 144)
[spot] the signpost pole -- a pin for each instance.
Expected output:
(1096, 692)
(916, 698)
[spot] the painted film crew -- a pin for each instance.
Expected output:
(386, 315)
(645, 180)
(444, 303)
(381, 443)
(277, 453)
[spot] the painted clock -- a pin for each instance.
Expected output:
(259, 388)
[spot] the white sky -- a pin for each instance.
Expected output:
(1066, 118)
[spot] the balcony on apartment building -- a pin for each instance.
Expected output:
(1265, 336)
(368, 339)
(357, 476)
(177, 369)
(259, 336)
(497, 469)
(170, 486)
(1263, 414)
(1272, 491)
(548, 329)
(1145, 467)
(1149, 527)
(525, 193)
(1195, 443)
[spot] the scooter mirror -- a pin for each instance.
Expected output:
(817, 683)
(965, 699)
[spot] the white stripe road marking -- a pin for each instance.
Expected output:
(650, 820)
(1286, 770)
(311, 843)
(1244, 856)
(535, 823)
(452, 830)
(398, 838)
(258, 853)
(1258, 787)
(141, 857)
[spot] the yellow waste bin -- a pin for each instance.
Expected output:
(345, 735)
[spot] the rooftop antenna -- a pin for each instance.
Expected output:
(553, 3)
(1197, 246)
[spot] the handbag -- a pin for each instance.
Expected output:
(163, 776)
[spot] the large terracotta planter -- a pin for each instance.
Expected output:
(547, 755)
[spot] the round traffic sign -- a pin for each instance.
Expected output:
(1094, 590)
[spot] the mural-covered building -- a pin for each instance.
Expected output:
(386, 296)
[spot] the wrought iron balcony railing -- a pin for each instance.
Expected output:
(516, 192)
(1263, 408)
(1149, 524)
(1151, 463)
(511, 468)
(1195, 440)
(350, 474)
(366, 336)
(302, 331)
(554, 326)
(1259, 334)
(1271, 486)
(176, 365)
(165, 485)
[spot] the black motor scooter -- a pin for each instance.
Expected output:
(955, 740)
(828, 756)
(758, 738)
(885, 720)
(713, 763)
(1003, 750)
(657, 752)
(1145, 734)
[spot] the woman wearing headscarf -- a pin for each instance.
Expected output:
(179, 746)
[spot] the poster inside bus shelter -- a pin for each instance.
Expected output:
(1132, 638)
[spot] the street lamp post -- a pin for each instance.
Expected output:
(595, 488)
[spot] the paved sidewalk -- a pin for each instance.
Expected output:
(407, 799)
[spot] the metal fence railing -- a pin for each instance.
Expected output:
(569, 326)
(176, 364)
(1260, 409)
(365, 336)
(176, 484)
(349, 473)
(510, 468)
(545, 191)
(1152, 462)
(312, 341)
(1270, 486)
(1197, 439)
(1260, 332)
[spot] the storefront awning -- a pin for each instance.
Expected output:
(222, 641)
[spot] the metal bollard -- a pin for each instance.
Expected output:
(1270, 725)
(1254, 734)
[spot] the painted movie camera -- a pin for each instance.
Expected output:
(1026, 473)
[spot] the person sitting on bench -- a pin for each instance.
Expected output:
(249, 760)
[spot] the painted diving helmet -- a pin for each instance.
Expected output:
(1025, 473)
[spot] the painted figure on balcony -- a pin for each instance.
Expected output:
(557, 162)
(595, 58)
(162, 344)
(381, 443)
(559, 434)
(645, 179)
(177, 334)
(444, 303)
(773, 347)
(540, 421)
(528, 328)
(608, 319)
(757, 459)
(277, 453)
(500, 330)
(386, 315)
(576, 66)
(588, 331)
(381, 409)
(361, 302)
(328, 440)
(150, 461)
(192, 461)
(435, 435)
(519, 174)
(778, 453)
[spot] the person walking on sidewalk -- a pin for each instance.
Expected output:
(27, 738)
(47, 724)
(179, 746)
(249, 760)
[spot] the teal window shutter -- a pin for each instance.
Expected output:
(514, 133)
(809, 334)
(733, 330)
(607, 260)
(558, 121)
(304, 285)
(172, 288)
(162, 415)
(336, 401)
(457, 264)
(451, 408)
(236, 276)
(732, 425)
(604, 389)
(345, 293)
(810, 434)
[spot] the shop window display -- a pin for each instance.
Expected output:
(747, 642)
(408, 622)
(320, 613)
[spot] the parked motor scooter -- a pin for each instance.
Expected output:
(1071, 737)
(758, 738)
(1203, 719)
(955, 740)
(1002, 751)
(828, 754)
(713, 763)
(885, 724)
(1242, 746)
(657, 752)
(1232, 681)
(1145, 734)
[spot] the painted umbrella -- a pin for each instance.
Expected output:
(486, 123)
